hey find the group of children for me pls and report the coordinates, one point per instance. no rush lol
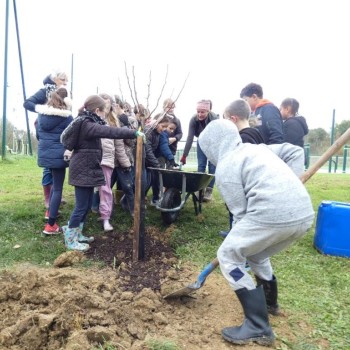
(256, 175)
(103, 154)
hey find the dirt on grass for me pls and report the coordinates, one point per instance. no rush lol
(121, 305)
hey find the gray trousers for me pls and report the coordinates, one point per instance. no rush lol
(252, 243)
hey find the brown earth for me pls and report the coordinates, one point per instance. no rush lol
(74, 307)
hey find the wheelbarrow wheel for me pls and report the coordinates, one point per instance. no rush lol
(171, 199)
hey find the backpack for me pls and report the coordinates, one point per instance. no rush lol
(70, 135)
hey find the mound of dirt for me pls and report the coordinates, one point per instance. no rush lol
(80, 308)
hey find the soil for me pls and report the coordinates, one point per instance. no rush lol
(69, 306)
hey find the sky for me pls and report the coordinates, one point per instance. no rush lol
(292, 48)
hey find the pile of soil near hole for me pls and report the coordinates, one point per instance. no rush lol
(75, 308)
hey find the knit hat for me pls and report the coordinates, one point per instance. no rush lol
(203, 105)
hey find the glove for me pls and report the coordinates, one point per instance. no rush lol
(140, 133)
(172, 163)
(183, 159)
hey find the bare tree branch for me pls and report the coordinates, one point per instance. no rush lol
(183, 86)
(120, 90)
(128, 80)
(149, 89)
(134, 80)
(167, 109)
(161, 92)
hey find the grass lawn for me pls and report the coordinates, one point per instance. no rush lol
(312, 284)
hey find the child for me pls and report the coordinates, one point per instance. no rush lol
(169, 107)
(107, 165)
(85, 171)
(271, 208)
(53, 118)
(165, 153)
(153, 132)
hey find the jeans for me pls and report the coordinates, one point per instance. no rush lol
(58, 176)
(202, 164)
(126, 180)
(47, 177)
(83, 201)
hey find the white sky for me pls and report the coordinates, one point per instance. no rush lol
(293, 48)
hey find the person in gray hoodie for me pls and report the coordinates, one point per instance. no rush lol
(271, 208)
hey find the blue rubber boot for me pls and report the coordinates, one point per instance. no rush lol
(71, 239)
(81, 237)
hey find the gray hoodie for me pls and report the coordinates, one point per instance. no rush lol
(253, 180)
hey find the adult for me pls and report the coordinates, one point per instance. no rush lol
(53, 118)
(267, 116)
(295, 127)
(261, 190)
(51, 82)
(197, 124)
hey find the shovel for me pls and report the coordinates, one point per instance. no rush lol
(186, 291)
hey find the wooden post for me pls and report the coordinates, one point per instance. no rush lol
(138, 250)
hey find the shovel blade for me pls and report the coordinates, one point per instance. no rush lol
(183, 292)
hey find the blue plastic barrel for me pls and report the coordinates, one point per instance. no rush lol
(332, 235)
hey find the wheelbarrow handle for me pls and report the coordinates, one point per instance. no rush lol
(207, 270)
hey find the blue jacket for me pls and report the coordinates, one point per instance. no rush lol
(40, 97)
(163, 148)
(50, 125)
(270, 122)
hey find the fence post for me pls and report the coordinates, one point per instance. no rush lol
(345, 156)
(307, 155)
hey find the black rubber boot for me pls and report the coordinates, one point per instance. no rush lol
(256, 327)
(271, 294)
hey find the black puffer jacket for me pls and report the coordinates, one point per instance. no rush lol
(84, 167)
(151, 147)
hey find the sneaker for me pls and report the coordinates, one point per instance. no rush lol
(51, 230)
(154, 202)
(208, 194)
(107, 226)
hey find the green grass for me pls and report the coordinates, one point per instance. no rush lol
(314, 288)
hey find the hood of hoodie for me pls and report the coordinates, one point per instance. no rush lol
(303, 123)
(218, 138)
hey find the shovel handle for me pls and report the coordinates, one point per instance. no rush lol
(207, 270)
(340, 142)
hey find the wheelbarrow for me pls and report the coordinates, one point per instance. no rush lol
(176, 186)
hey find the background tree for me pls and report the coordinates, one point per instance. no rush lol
(12, 136)
(341, 128)
(319, 141)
